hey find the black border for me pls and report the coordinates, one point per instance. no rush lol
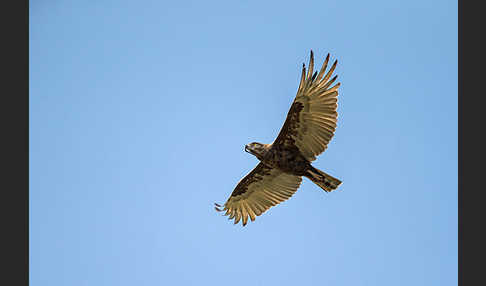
(15, 143)
(470, 144)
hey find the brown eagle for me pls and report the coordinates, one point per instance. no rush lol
(309, 127)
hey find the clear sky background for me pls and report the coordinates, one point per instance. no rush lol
(139, 112)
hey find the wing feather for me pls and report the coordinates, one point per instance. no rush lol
(323, 69)
(311, 120)
(238, 215)
(311, 65)
(258, 191)
(329, 73)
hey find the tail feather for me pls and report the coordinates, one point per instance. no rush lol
(327, 182)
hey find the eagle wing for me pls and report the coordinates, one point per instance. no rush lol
(263, 188)
(311, 120)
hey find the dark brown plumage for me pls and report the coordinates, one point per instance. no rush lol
(308, 128)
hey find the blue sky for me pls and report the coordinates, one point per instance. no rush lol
(139, 112)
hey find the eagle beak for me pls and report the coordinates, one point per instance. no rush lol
(246, 149)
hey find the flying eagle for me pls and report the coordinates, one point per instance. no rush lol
(309, 127)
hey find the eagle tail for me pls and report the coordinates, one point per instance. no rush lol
(326, 182)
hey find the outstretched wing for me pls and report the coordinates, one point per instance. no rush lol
(312, 118)
(261, 189)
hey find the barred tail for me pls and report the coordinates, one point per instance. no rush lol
(326, 182)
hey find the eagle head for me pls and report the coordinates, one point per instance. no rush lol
(257, 149)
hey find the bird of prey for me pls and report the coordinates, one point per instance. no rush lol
(307, 130)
